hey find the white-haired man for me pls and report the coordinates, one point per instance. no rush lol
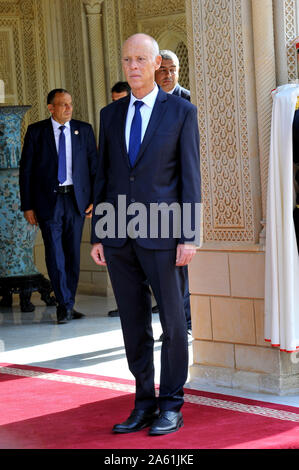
(149, 152)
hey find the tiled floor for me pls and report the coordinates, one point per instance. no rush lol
(92, 345)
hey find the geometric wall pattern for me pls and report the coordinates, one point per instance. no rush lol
(229, 212)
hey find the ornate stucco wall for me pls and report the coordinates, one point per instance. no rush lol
(76, 44)
(233, 53)
(239, 50)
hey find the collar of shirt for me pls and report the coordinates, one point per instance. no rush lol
(56, 125)
(149, 99)
(145, 111)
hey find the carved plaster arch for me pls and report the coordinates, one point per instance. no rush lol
(170, 40)
(173, 41)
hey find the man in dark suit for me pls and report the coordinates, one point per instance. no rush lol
(57, 169)
(167, 77)
(149, 154)
(120, 90)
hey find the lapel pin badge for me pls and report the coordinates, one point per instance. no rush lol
(76, 132)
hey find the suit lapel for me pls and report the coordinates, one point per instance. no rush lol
(177, 90)
(120, 126)
(155, 119)
(49, 134)
(75, 139)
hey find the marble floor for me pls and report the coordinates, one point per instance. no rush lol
(91, 345)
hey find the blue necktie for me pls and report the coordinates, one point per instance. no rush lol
(135, 133)
(61, 157)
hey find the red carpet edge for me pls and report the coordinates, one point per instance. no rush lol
(73, 410)
(265, 409)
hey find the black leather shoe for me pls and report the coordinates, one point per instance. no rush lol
(77, 315)
(138, 419)
(63, 315)
(167, 422)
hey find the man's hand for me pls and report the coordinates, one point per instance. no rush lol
(97, 254)
(184, 254)
(88, 212)
(30, 217)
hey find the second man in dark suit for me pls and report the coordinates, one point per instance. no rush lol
(167, 77)
(57, 171)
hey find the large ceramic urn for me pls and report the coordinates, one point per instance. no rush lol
(18, 273)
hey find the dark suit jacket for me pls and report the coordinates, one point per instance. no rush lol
(182, 92)
(39, 167)
(167, 166)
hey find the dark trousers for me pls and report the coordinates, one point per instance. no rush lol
(62, 237)
(132, 269)
(186, 294)
(183, 272)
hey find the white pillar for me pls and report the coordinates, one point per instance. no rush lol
(264, 61)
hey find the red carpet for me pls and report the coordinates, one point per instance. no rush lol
(53, 409)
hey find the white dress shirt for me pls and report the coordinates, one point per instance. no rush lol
(145, 111)
(68, 148)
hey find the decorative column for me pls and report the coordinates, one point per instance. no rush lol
(264, 61)
(285, 30)
(18, 273)
(52, 12)
(93, 10)
(222, 63)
